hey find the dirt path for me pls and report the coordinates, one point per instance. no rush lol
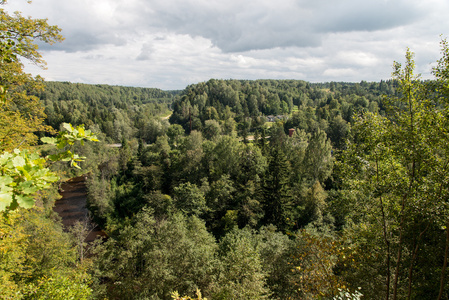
(72, 206)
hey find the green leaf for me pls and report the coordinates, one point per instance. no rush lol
(24, 173)
(25, 201)
(18, 161)
(55, 157)
(50, 177)
(61, 144)
(4, 188)
(49, 140)
(28, 187)
(5, 199)
(5, 158)
(5, 180)
(68, 127)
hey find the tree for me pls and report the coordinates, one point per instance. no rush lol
(211, 129)
(175, 133)
(23, 174)
(220, 200)
(276, 192)
(312, 206)
(37, 259)
(399, 166)
(276, 251)
(151, 258)
(21, 114)
(223, 157)
(441, 72)
(189, 199)
(338, 132)
(314, 260)
(318, 159)
(240, 275)
(189, 164)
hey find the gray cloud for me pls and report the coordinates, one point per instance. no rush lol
(172, 43)
(146, 52)
(350, 15)
(266, 24)
(232, 26)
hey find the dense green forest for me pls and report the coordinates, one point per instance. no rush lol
(119, 112)
(321, 213)
(246, 106)
(236, 105)
(233, 189)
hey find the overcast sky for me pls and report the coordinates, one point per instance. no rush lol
(169, 44)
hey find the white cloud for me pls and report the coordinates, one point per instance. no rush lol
(338, 73)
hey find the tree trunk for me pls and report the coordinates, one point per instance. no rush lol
(415, 253)
(398, 264)
(387, 242)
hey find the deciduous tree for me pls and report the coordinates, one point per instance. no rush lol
(399, 166)
(21, 114)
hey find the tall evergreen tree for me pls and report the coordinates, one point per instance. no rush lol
(276, 192)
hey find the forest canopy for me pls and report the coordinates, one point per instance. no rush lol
(228, 189)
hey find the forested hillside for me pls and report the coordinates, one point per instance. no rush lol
(246, 106)
(275, 97)
(119, 112)
(233, 189)
(336, 207)
(242, 207)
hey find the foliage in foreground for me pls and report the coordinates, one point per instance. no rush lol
(23, 173)
(37, 258)
(397, 167)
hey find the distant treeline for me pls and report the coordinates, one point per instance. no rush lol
(224, 106)
(245, 105)
(119, 112)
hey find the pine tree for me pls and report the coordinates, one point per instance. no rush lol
(276, 193)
